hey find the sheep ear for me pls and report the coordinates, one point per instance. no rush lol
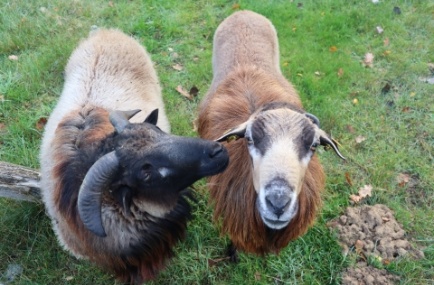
(152, 118)
(313, 118)
(119, 119)
(234, 134)
(326, 141)
(97, 179)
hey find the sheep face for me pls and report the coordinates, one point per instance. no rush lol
(281, 142)
(146, 164)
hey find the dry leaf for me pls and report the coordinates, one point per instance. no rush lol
(110, 3)
(195, 58)
(365, 191)
(178, 67)
(340, 72)
(40, 124)
(386, 42)
(355, 101)
(350, 129)
(183, 92)
(368, 61)
(348, 179)
(385, 219)
(358, 245)
(355, 198)
(406, 109)
(193, 91)
(402, 179)
(257, 276)
(69, 278)
(360, 139)
(2, 127)
(236, 6)
(333, 49)
(317, 73)
(13, 57)
(379, 30)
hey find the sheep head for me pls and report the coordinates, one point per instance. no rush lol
(147, 164)
(281, 141)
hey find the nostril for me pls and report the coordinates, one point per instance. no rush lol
(277, 203)
(215, 150)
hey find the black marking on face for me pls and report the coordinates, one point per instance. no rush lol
(305, 140)
(261, 140)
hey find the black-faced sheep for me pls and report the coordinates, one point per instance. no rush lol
(115, 190)
(270, 192)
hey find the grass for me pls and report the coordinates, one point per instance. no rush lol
(318, 40)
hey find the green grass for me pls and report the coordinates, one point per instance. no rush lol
(398, 125)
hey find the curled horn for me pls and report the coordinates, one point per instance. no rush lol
(326, 141)
(96, 180)
(119, 119)
(314, 119)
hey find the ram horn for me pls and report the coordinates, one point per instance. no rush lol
(98, 178)
(119, 119)
(326, 141)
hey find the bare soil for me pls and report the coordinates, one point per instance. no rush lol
(372, 232)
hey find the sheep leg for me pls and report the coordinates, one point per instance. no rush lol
(232, 253)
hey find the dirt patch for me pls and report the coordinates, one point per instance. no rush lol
(367, 275)
(372, 232)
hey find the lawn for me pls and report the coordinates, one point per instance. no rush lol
(380, 110)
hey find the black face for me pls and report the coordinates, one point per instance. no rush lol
(158, 165)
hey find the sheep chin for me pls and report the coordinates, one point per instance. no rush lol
(270, 220)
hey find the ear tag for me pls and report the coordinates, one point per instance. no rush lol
(232, 138)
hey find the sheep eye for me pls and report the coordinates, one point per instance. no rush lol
(249, 140)
(146, 172)
(314, 146)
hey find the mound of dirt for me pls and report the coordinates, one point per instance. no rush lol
(373, 231)
(367, 275)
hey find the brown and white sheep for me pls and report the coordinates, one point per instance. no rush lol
(270, 192)
(115, 190)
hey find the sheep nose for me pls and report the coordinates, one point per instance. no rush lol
(277, 203)
(216, 149)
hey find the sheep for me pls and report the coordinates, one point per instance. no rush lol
(270, 192)
(117, 191)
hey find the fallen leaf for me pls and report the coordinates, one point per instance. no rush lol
(360, 139)
(69, 278)
(431, 67)
(178, 67)
(386, 261)
(397, 10)
(333, 49)
(348, 179)
(358, 245)
(355, 198)
(212, 262)
(340, 72)
(403, 179)
(386, 42)
(387, 52)
(368, 61)
(412, 94)
(406, 109)
(193, 91)
(13, 57)
(2, 127)
(317, 73)
(110, 3)
(350, 129)
(355, 101)
(183, 92)
(236, 6)
(285, 63)
(385, 219)
(257, 276)
(379, 30)
(40, 124)
(386, 88)
(195, 58)
(365, 191)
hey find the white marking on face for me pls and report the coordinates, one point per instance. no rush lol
(164, 172)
